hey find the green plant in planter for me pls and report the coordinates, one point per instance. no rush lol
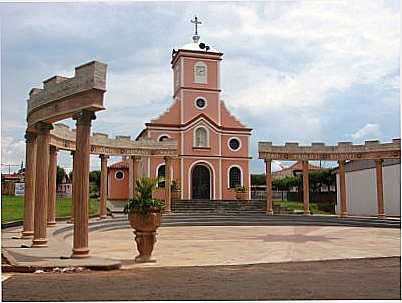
(143, 202)
(241, 189)
(175, 186)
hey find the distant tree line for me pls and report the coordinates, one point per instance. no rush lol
(316, 180)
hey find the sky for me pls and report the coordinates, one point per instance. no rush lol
(302, 71)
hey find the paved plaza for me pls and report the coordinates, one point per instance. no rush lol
(217, 240)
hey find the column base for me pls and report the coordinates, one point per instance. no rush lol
(71, 221)
(102, 217)
(270, 213)
(41, 242)
(381, 216)
(51, 224)
(343, 215)
(80, 253)
(27, 234)
(307, 213)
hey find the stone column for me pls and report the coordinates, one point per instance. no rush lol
(380, 195)
(130, 178)
(168, 194)
(342, 189)
(72, 189)
(306, 188)
(81, 184)
(103, 187)
(41, 185)
(268, 176)
(29, 193)
(51, 201)
(135, 162)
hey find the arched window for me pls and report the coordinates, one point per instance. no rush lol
(200, 73)
(161, 175)
(234, 177)
(201, 137)
(163, 138)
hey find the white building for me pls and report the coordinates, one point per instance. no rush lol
(361, 195)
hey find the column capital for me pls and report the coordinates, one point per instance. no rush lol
(30, 137)
(135, 158)
(104, 157)
(267, 161)
(379, 161)
(43, 128)
(84, 117)
(341, 162)
(53, 149)
(167, 158)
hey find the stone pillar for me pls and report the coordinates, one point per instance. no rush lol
(81, 184)
(103, 187)
(380, 195)
(51, 201)
(168, 193)
(72, 189)
(342, 189)
(135, 162)
(29, 194)
(41, 185)
(306, 188)
(268, 176)
(130, 178)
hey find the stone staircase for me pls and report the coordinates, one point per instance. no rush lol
(223, 206)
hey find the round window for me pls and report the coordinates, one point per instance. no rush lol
(200, 103)
(119, 175)
(234, 144)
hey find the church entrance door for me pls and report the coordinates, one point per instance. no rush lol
(201, 182)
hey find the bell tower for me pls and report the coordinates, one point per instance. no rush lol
(196, 77)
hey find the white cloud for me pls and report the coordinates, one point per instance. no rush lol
(12, 151)
(369, 131)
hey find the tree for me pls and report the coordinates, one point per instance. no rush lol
(94, 178)
(258, 179)
(60, 175)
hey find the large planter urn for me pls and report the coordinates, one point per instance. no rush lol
(242, 196)
(145, 226)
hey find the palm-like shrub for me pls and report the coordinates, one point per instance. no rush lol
(143, 202)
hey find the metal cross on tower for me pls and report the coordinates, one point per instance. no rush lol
(196, 22)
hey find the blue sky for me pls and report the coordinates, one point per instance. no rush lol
(317, 71)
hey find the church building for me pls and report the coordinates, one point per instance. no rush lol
(213, 145)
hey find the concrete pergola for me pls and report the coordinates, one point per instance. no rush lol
(343, 151)
(78, 98)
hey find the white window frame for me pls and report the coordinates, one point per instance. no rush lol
(203, 98)
(116, 174)
(241, 174)
(228, 143)
(198, 79)
(195, 136)
(164, 135)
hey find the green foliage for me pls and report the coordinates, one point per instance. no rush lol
(143, 201)
(241, 189)
(319, 178)
(258, 179)
(60, 175)
(175, 186)
(94, 177)
(12, 208)
(286, 183)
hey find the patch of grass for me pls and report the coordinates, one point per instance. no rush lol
(12, 208)
(294, 205)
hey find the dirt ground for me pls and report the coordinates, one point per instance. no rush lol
(340, 279)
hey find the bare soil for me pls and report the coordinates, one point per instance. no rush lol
(377, 278)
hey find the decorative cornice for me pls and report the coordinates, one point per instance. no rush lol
(371, 150)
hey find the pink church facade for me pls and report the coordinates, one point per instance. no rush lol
(213, 145)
